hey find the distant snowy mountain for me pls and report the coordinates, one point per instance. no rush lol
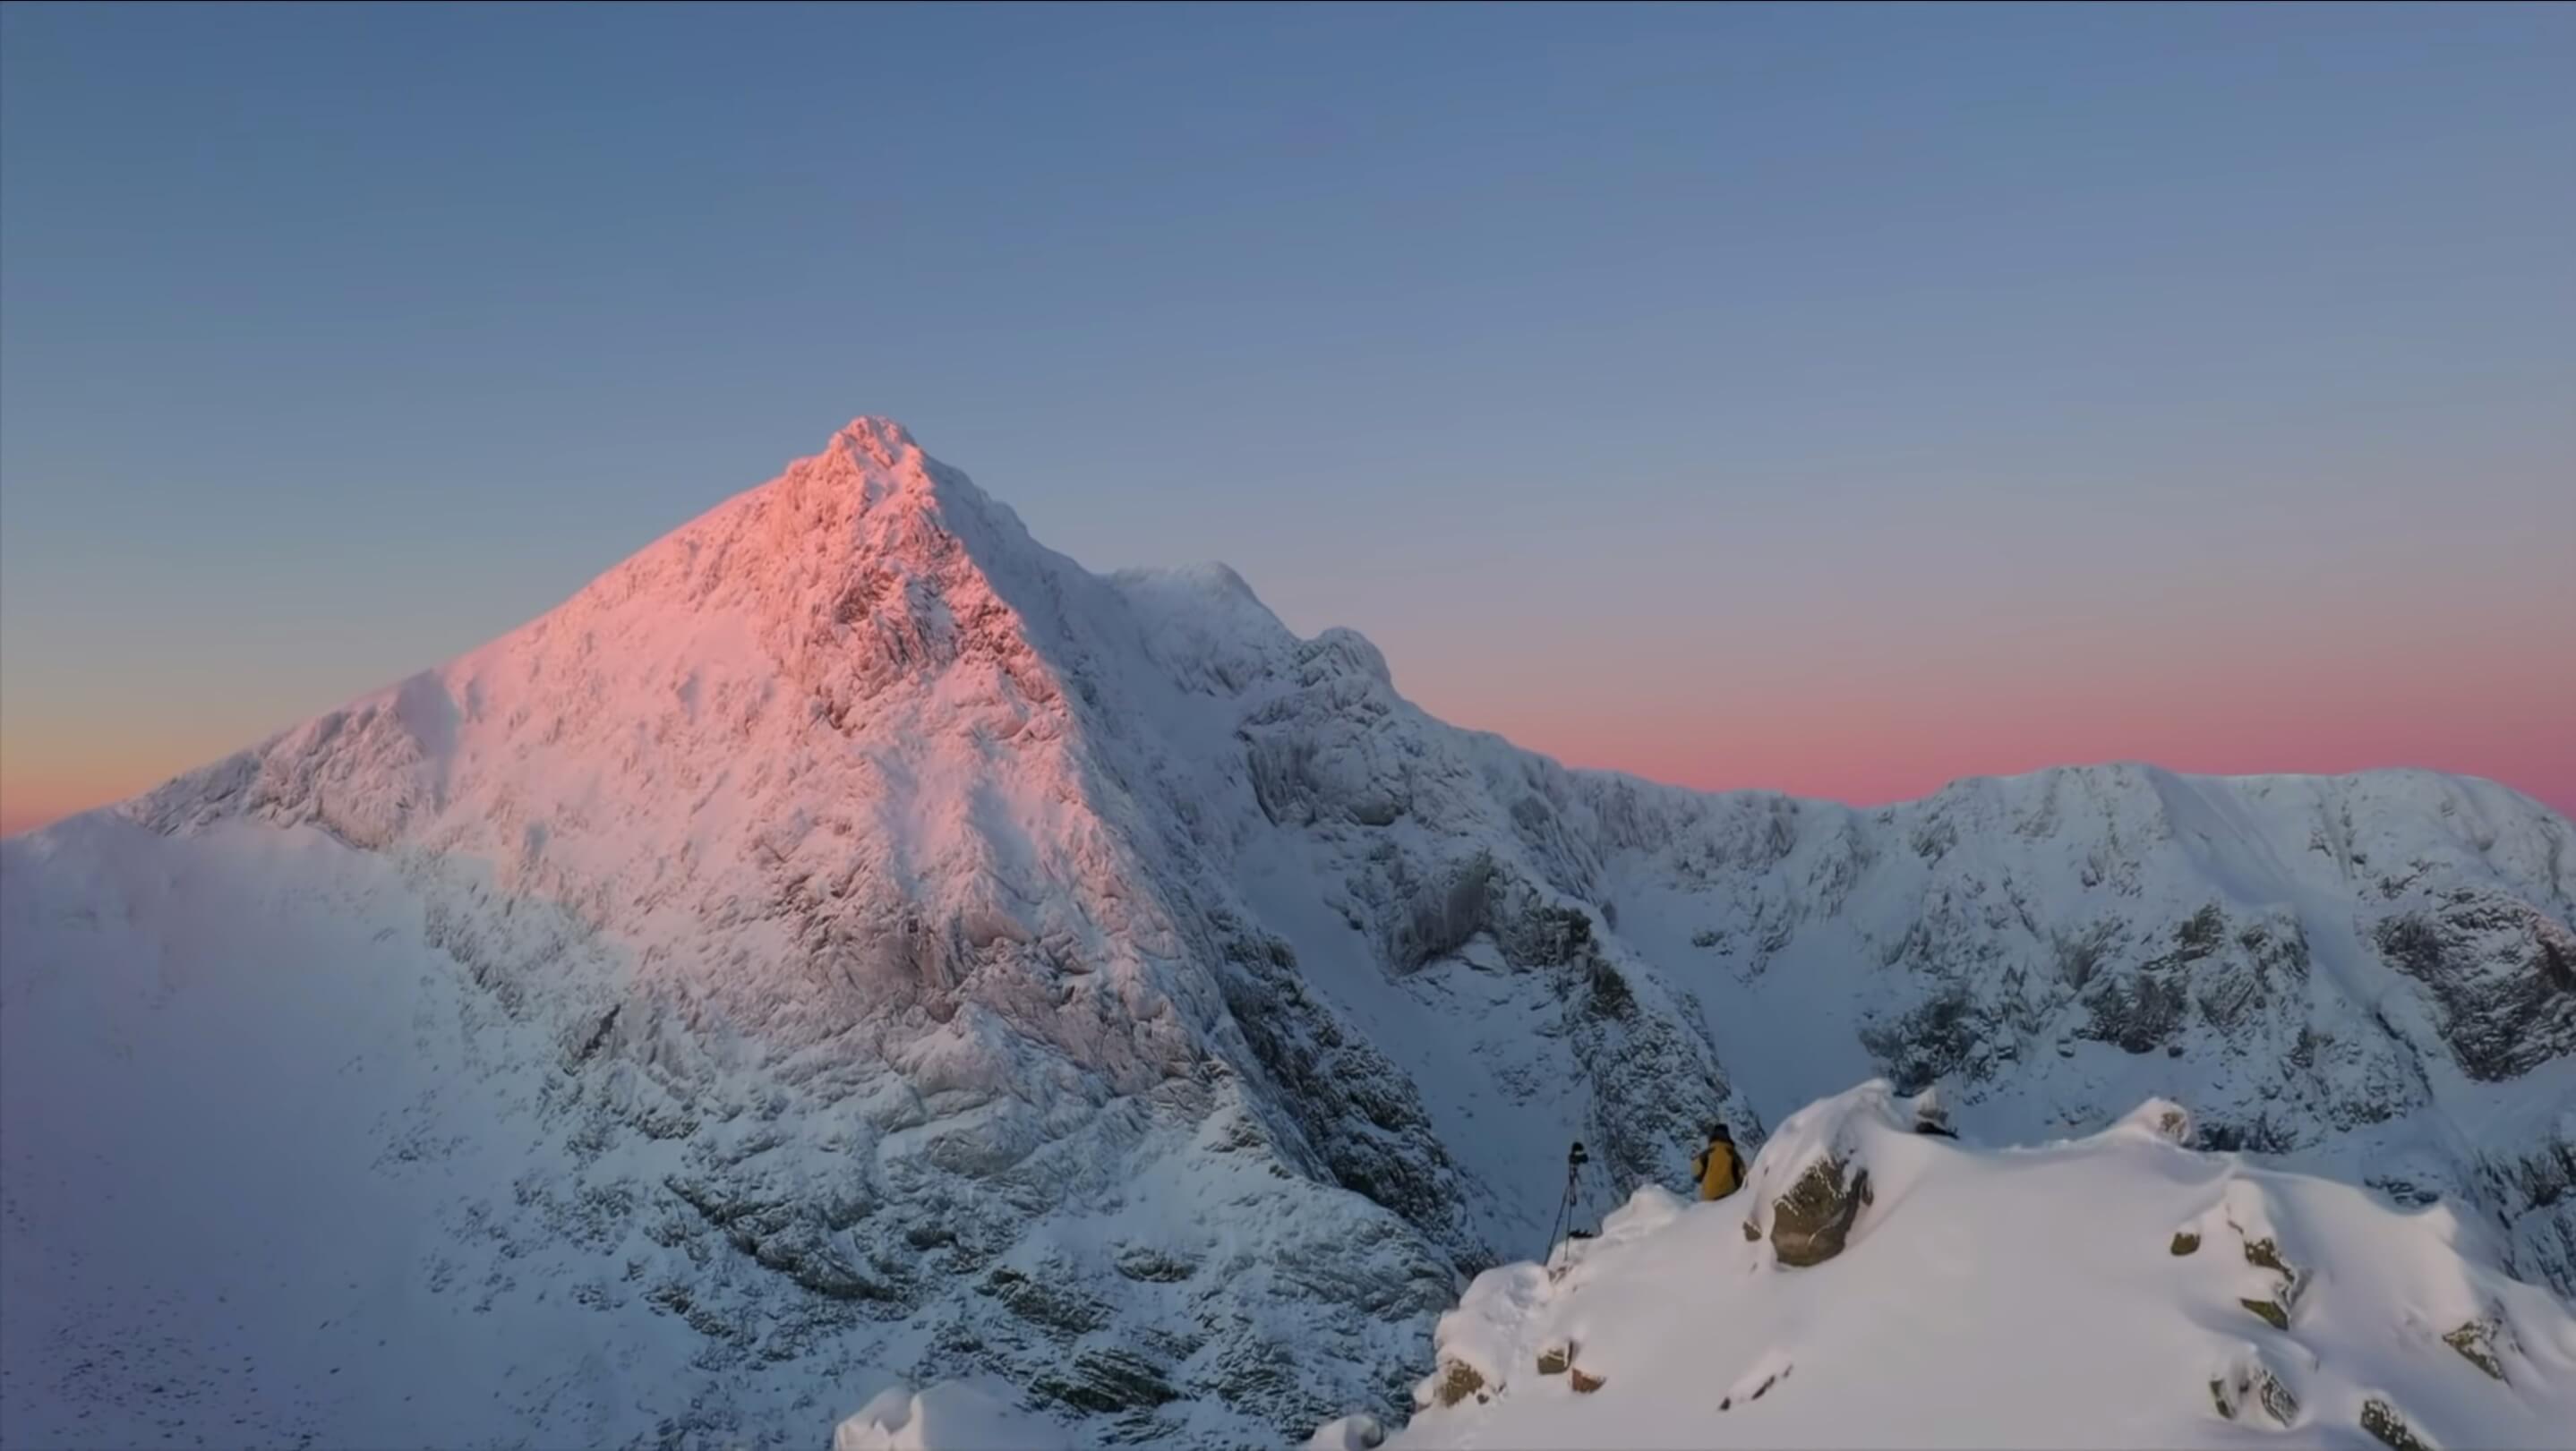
(849, 943)
(2117, 1290)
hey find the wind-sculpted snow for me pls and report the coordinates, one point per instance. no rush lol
(849, 943)
(2112, 1290)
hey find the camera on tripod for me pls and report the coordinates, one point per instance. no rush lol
(1575, 1159)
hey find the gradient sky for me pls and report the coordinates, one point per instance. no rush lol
(1839, 400)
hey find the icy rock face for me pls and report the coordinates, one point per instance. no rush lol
(2324, 968)
(858, 937)
(2502, 976)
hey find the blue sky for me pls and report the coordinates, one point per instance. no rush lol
(1832, 398)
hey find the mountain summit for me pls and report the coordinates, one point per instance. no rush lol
(849, 942)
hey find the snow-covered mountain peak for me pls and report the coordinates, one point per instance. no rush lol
(879, 439)
(871, 495)
(849, 938)
(881, 464)
(817, 716)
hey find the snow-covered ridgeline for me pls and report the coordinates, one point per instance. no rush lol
(878, 945)
(2113, 1290)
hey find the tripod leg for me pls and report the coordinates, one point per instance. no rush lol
(1564, 1213)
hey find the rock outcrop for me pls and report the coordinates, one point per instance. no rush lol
(848, 933)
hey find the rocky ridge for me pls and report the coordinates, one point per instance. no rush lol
(893, 947)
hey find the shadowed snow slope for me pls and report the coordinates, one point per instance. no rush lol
(2116, 1290)
(849, 943)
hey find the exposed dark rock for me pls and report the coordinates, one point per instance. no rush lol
(1156, 1266)
(1610, 996)
(1727, 1403)
(2499, 974)
(2265, 1253)
(2136, 1013)
(1810, 1223)
(789, 1236)
(2261, 1136)
(1047, 1301)
(1107, 1381)
(1458, 1381)
(1932, 1039)
(1354, 1109)
(1546, 935)
(2199, 935)
(2477, 1342)
(2251, 1384)
(2388, 1427)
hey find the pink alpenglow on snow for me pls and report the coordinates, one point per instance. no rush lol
(850, 940)
(1849, 696)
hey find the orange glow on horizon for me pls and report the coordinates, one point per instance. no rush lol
(27, 805)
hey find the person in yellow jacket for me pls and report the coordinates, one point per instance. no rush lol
(1719, 1168)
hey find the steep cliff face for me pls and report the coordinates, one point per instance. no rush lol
(2366, 973)
(849, 939)
(2321, 968)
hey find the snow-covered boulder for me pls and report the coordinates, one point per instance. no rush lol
(1349, 1433)
(848, 933)
(2115, 1290)
(950, 1416)
(1812, 1181)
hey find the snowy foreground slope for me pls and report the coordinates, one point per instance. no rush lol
(2115, 1290)
(850, 946)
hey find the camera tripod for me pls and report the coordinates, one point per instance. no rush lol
(1575, 1159)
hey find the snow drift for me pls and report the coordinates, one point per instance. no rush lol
(849, 943)
(951, 1416)
(2116, 1290)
